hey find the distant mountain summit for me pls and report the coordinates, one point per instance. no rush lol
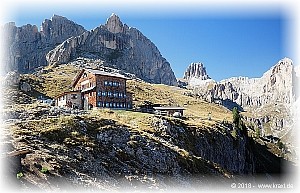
(121, 47)
(62, 41)
(114, 24)
(196, 70)
(25, 47)
(277, 85)
(195, 75)
(268, 100)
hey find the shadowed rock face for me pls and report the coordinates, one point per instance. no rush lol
(25, 47)
(61, 41)
(120, 47)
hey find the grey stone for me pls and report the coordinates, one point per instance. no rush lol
(121, 47)
(25, 87)
(25, 47)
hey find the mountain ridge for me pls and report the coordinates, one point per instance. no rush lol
(61, 41)
(25, 47)
(266, 101)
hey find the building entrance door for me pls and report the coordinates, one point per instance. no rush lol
(86, 103)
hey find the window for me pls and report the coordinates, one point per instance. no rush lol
(115, 94)
(105, 83)
(74, 96)
(114, 104)
(110, 104)
(99, 104)
(110, 83)
(109, 93)
(106, 104)
(118, 105)
(115, 84)
(103, 93)
(99, 93)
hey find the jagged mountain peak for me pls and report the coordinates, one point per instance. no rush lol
(57, 17)
(282, 66)
(114, 24)
(196, 70)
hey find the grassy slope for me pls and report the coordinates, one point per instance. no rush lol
(66, 129)
(196, 110)
(58, 80)
(55, 81)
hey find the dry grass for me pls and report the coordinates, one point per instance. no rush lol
(134, 120)
(59, 79)
(197, 111)
(56, 81)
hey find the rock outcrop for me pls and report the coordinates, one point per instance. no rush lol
(195, 75)
(25, 48)
(120, 47)
(12, 78)
(277, 85)
(196, 70)
(61, 41)
(103, 154)
(267, 99)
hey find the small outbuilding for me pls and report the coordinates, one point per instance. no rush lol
(70, 99)
(169, 111)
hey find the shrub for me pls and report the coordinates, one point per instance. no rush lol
(44, 170)
(20, 175)
(236, 116)
(257, 132)
(234, 133)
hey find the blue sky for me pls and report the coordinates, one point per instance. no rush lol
(228, 44)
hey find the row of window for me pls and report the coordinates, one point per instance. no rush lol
(111, 83)
(113, 105)
(114, 94)
(106, 83)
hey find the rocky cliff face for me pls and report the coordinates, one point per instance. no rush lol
(268, 99)
(25, 47)
(196, 70)
(277, 85)
(195, 75)
(95, 152)
(120, 47)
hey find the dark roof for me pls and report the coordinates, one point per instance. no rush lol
(99, 72)
(88, 89)
(169, 108)
(106, 73)
(69, 92)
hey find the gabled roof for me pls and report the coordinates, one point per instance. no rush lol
(98, 72)
(88, 89)
(169, 108)
(65, 93)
